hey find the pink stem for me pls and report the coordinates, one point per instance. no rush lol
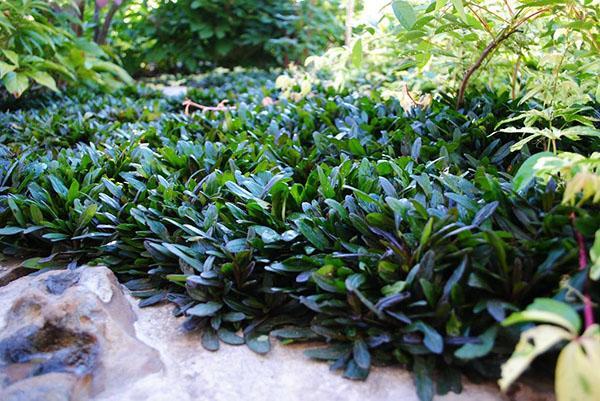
(588, 310)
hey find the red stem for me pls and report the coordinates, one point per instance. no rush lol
(588, 310)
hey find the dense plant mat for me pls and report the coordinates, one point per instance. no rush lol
(395, 236)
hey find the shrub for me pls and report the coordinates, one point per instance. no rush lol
(37, 47)
(188, 35)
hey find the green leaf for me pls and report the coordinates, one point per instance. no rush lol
(527, 172)
(210, 340)
(229, 337)
(460, 9)
(268, 235)
(330, 353)
(258, 343)
(355, 372)
(206, 309)
(533, 342)
(36, 214)
(485, 213)
(313, 235)
(16, 83)
(431, 338)
(11, 230)
(11, 56)
(361, 354)
(577, 374)
(357, 54)
(87, 215)
(423, 378)
(294, 333)
(5, 68)
(472, 351)
(236, 245)
(546, 310)
(405, 13)
(44, 79)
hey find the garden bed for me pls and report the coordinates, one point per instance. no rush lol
(395, 234)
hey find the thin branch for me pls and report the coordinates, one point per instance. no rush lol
(491, 12)
(486, 52)
(506, 33)
(483, 23)
(220, 107)
(515, 77)
(510, 11)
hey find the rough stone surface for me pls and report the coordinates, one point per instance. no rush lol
(11, 270)
(174, 91)
(69, 335)
(235, 373)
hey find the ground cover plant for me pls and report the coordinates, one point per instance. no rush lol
(396, 236)
(403, 203)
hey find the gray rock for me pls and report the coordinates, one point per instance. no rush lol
(73, 335)
(174, 91)
(11, 270)
(61, 341)
(235, 373)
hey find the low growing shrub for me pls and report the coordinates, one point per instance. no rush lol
(397, 237)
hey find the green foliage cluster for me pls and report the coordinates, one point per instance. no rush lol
(38, 47)
(396, 236)
(189, 35)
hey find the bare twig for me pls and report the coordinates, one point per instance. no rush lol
(489, 49)
(220, 107)
(510, 11)
(483, 23)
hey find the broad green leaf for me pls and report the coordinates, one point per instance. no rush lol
(472, 351)
(258, 343)
(229, 337)
(361, 355)
(209, 339)
(528, 171)
(423, 378)
(533, 342)
(431, 338)
(314, 235)
(568, 320)
(11, 230)
(460, 9)
(205, 309)
(87, 215)
(44, 79)
(16, 83)
(405, 13)
(5, 68)
(577, 376)
(11, 56)
(357, 54)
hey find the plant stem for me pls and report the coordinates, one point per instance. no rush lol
(486, 52)
(505, 34)
(588, 310)
(515, 78)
